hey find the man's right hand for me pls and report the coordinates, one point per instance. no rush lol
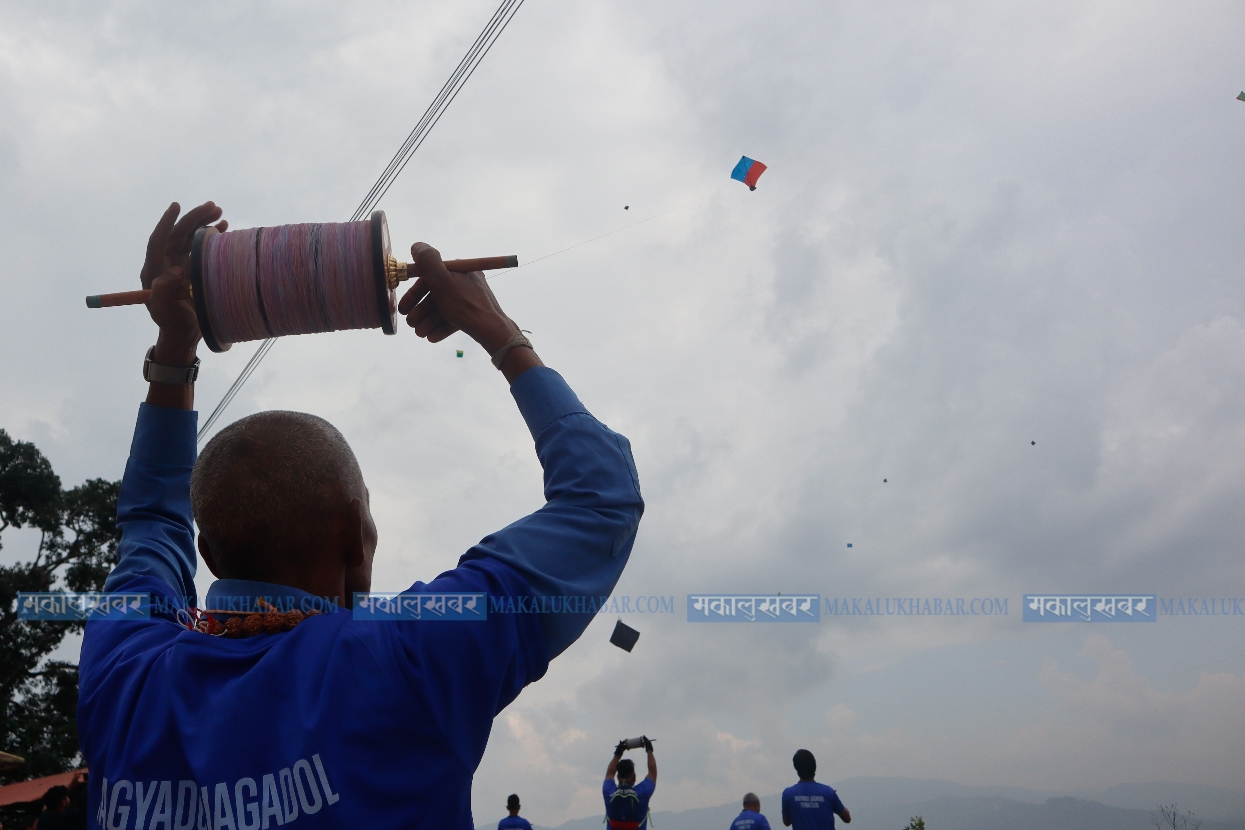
(442, 302)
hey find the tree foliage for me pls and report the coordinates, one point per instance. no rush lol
(77, 548)
(915, 823)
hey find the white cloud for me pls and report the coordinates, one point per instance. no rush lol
(1146, 733)
(981, 227)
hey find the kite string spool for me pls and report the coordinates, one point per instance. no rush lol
(291, 279)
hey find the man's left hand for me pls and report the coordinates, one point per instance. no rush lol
(166, 272)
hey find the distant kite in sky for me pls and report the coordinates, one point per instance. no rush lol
(748, 171)
(1241, 97)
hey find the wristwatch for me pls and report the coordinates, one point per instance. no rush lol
(155, 373)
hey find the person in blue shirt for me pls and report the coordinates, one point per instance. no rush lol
(751, 818)
(513, 821)
(809, 805)
(318, 720)
(626, 802)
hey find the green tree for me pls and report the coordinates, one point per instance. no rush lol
(77, 547)
(915, 823)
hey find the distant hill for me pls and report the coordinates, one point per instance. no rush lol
(1214, 803)
(960, 813)
(1218, 803)
(888, 803)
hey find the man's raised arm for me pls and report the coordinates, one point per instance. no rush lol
(153, 508)
(574, 548)
(612, 768)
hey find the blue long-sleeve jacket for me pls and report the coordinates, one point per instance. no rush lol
(337, 723)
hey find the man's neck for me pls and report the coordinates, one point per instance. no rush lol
(229, 591)
(807, 781)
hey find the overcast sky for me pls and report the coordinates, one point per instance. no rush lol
(983, 225)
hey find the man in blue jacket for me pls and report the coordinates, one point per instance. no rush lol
(327, 721)
(808, 805)
(751, 817)
(514, 821)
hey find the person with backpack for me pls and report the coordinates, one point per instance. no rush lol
(626, 803)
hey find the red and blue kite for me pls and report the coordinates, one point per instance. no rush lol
(748, 171)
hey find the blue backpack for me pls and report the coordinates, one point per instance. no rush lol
(623, 809)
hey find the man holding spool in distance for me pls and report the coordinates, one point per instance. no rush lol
(626, 802)
(323, 721)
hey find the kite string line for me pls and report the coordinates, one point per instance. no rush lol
(602, 236)
(475, 66)
(237, 384)
(423, 126)
(267, 345)
(449, 91)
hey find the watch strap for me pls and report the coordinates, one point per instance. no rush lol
(155, 373)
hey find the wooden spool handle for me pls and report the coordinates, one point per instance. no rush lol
(120, 298)
(396, 272)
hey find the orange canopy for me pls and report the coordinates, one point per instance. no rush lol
(34, 789)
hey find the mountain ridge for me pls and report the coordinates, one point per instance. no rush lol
(886, 803)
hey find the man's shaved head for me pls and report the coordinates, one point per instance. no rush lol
(266, 487)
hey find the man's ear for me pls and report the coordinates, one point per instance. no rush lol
(205, 551)
(355, 542)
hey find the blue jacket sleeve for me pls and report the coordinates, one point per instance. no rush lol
(579, 542)
(153, 509)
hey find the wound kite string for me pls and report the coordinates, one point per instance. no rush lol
(260, 283)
